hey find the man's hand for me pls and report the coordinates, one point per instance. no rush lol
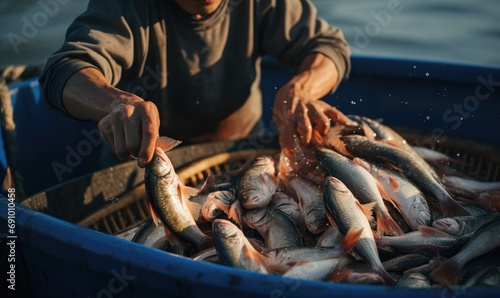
(298, 109)
(127, 123)
(131, 128)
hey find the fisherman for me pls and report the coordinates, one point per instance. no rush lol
(190, 70)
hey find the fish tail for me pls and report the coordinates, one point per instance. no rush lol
(350, 239)
(450, 207)
(259, 259)
(386, 225)
(446, 272)
(388, 279)
(339, 275)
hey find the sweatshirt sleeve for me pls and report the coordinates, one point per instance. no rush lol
(290, 30)
(102, 37)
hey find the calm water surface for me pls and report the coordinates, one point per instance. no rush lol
(461, 31)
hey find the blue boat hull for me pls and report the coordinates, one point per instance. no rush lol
(60, 259)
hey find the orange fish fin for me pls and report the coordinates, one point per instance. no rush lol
(166, 143)
(446, 272)
(387, 225)
(395, 144)
(369, 133)
(384, 194)
(431, 232)
(185, 193)
(234, 214)
(339, 275)
(154, 216)
(394, 183)
(368, 210)
(350, 239)
(254, 256)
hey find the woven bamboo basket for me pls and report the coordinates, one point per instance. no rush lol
(131, 209)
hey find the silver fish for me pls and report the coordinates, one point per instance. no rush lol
(311, 204)
(412, 168)
(168, 199)
(258, 183)
(277, 229)
(234, 249)
(408, 199)
(349, 214)
(362, 185)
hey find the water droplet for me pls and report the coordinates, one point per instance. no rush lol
(458, 154)
(426, 74)
(353, 102)
(197, 102)
(414, 66)
(428, 117)
(114, 200)
(285, 101)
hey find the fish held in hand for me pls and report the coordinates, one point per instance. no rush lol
(168, 199)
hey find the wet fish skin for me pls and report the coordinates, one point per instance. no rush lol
(152, 236)
(234, 249)
(277, 229)
(362, 185)
(413, 280)
(286, 204)
(311, 204)
(349, 214)
(404, 262)
(415, 171)
(463, 225)
(258, 183)
(217, 203)
(422, 239)
(315, 270)
(169, 201)
(290, 256)
(483, 241)
(330, 238)
(408, 199)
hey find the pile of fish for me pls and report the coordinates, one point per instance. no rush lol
(356, 205)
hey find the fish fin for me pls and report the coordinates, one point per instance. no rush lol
(394, 183)
(446, 272)
(395, 144)
(185, 193)
(368, 131)
(387, 225)
(256, 257)
(317, 139)
(384, 193)
(166, 143)
(431, 232)
(339, 275)
(450, 207)
(368, 210)
(350, 239)
(234, 214)
(208, 184)
(388, 279)
(154, 216)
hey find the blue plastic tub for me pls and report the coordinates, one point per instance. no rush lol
(56, 258)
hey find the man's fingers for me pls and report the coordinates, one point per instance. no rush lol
(336, 115)
(304, 126)
(149, 130)
(320, 121)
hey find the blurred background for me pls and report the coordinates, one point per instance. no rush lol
(460, 31)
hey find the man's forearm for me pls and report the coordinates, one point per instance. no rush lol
(88, 96)
(318, 75)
